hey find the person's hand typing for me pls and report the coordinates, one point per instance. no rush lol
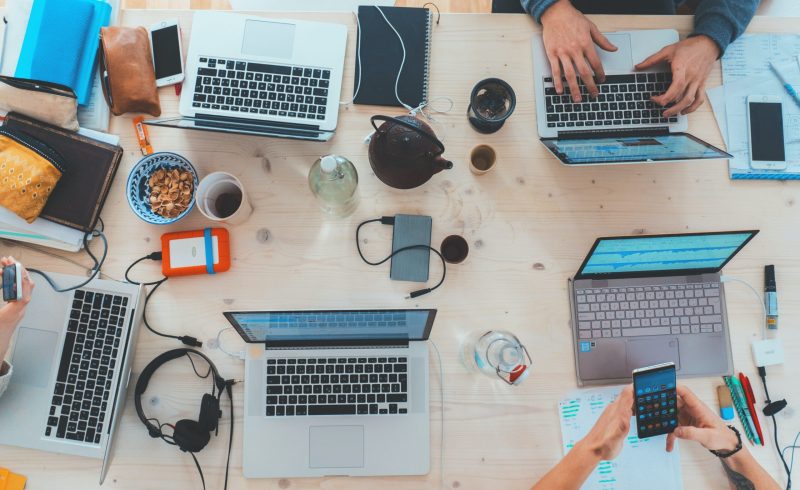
(690, 61)
(697, 422)
(569, 39)
(609, 432)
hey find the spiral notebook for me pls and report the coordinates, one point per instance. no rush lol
(382, 53)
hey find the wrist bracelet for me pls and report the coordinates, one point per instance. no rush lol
(727, 454)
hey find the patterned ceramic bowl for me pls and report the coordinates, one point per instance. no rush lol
(138, 191)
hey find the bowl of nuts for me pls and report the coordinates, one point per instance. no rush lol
(161, 188)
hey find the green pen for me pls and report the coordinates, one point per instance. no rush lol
(741, 402)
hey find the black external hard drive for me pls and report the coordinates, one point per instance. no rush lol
(411, 265)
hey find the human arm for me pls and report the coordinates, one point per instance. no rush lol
(716, 24)
(603, 442)
(10, 315)
(569, 41)
(698, 423)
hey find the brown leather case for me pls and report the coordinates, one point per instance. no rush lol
(129, 81)
(89, 169)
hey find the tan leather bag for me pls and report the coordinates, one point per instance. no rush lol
(129, 81)
(29, 171)
(52, 103)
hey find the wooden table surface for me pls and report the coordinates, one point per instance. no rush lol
(529, 224)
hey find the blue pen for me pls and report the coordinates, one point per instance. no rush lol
(786, 84)
(741, 400)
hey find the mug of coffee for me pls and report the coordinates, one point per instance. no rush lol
(482, 159)
(221, 197)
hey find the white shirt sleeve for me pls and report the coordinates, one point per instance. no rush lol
(5, 376)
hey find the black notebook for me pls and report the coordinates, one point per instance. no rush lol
(382, 53)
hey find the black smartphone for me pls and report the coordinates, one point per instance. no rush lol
(656, 399)
(12, 282)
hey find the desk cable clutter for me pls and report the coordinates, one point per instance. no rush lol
(185, 253)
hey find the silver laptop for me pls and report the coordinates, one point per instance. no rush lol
(72, 363)
(643, 300)
(335, 392)
(622, 125)
(252, 75)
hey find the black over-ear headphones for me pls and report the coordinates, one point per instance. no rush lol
(189, 435)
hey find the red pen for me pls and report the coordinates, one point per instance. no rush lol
(751, 400)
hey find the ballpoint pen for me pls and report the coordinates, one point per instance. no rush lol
(751, 401)
(740, 399)
(786, 85)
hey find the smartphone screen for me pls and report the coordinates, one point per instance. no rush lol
(656, 400)
(9, 283)
(166, 52)
(766, 132)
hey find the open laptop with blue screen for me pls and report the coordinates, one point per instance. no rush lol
(335, 392)
(643, 300)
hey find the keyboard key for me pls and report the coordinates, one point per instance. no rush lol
(332, 410)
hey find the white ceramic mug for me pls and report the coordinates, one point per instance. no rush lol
(217, 184)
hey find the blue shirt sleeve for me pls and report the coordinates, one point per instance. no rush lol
(723, 20)
(536, 7)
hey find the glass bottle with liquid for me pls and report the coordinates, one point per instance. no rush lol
(334, 182)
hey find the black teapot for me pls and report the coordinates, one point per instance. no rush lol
(404, 152)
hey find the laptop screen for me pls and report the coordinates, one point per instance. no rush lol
(674, 254)
(628, 149)
(334, 326)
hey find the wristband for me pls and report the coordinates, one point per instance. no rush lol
(727, 454)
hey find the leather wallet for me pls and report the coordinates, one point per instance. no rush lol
(129, 80)
(29, 172)
(52, 103)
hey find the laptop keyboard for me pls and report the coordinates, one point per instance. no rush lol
(623, 100)
(88, 363)
(649, 310)
(260, 88)
(337, 386)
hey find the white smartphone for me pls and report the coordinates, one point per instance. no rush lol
(765, 121)
(165, 45)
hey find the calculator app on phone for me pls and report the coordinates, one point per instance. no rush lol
(656, 400)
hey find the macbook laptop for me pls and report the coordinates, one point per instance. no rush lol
(72, 362)
(335, 392)
(253, 75)
(621, 125)
(643, 300)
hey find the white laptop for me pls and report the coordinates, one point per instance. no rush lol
(335, 392)
(622, 125)
(253, 75)
(72, 362)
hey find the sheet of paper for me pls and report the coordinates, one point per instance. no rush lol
(641, 462)
(736, 94)
(751, 54)
(41, 231)
(17, 13)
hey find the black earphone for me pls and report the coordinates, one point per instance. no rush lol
(189, 435)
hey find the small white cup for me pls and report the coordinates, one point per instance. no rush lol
(217, 184)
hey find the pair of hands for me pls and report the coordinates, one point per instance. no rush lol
(12, 312)
(569, 39)
(696, 422)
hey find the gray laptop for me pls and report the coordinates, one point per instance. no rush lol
(643, 300)
(335, 392)
(72, 363)
(621, 125)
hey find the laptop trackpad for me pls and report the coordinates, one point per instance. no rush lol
(619, 61)
(34, 353)
(336, 446)
(646, 352)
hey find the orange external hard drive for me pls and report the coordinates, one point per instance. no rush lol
(187, 253)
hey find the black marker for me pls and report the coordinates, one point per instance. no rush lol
(771, 297)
